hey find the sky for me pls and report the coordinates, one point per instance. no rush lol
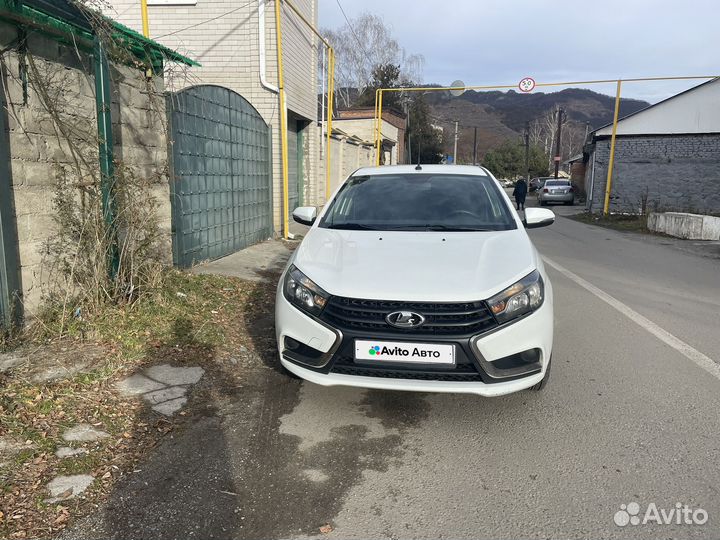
(489, 42)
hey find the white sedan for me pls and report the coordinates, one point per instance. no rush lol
(556, 191)
(418, 278)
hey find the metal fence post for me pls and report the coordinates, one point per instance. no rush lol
(10, 280)
(103, 102)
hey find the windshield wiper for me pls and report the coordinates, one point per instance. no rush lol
(445, 228)
(351, 227)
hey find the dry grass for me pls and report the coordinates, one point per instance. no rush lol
(190, 319)
(618, 222)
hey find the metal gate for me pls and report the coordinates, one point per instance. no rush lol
(221, 191)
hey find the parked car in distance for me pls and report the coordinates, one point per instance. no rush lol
(418, 278)
(504, 182)
(535, 183)
(560, 191)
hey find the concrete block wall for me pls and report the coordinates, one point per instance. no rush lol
(228, 49)
(140, 138)
(684, 225)
(346, 158)
(361, 122)
(364, 128)
(41, 136)
(675, 173)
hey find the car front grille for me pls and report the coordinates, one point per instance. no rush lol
(447, 319)
(459, 373)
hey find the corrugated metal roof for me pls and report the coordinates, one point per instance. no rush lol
(64, 20)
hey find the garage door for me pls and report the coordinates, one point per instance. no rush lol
(221, 192)
(295, 160)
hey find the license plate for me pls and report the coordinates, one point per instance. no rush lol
(397, 351)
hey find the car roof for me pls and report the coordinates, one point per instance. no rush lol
(424, 169)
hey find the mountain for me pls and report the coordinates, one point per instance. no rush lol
(581, 105)
(502, 115)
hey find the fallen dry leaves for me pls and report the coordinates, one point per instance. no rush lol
(37, 414)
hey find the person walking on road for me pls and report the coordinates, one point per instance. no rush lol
(520, 192)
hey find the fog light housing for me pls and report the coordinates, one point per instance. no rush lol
(520, 364)
(303, 354)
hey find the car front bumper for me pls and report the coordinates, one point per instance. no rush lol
(532, 332)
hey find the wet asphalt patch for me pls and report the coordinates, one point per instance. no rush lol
(270, 460)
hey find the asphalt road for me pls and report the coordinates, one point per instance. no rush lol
(630, 415)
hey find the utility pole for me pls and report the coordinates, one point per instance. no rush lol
(455, 148)
(475, 147)
(406, 108)
(527, 152)
(557, 143)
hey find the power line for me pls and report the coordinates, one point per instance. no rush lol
(206, 21)
(357, 38)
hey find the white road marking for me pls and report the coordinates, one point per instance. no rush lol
(688, 351)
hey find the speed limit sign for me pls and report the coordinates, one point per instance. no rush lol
(527, 84)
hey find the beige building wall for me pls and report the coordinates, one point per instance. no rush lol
(223, 36)
(346, 157)
(364, 128)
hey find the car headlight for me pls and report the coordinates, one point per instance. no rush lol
(302, 292)
(519, 298)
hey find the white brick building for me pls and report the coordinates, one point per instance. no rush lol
(226, 38)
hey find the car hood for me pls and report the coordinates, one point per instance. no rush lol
(415, 266)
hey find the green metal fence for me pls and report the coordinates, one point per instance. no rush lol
(221, 190)
(10, 289)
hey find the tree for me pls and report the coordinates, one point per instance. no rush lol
(537, 162)
(543, 134)
(383, 76)
(423, 140)
(420, 133)
(508, 160)
(360, 47)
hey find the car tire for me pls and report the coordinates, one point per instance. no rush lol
(570, 203)
(543, 203)
(539, 386)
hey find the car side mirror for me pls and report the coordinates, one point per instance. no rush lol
(538, 217)
(305, 215)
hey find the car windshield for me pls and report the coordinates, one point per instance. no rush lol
(416, 201)
(557, 183)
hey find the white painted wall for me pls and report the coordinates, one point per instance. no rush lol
(365, 129)
(695, 111)
(346, 159)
